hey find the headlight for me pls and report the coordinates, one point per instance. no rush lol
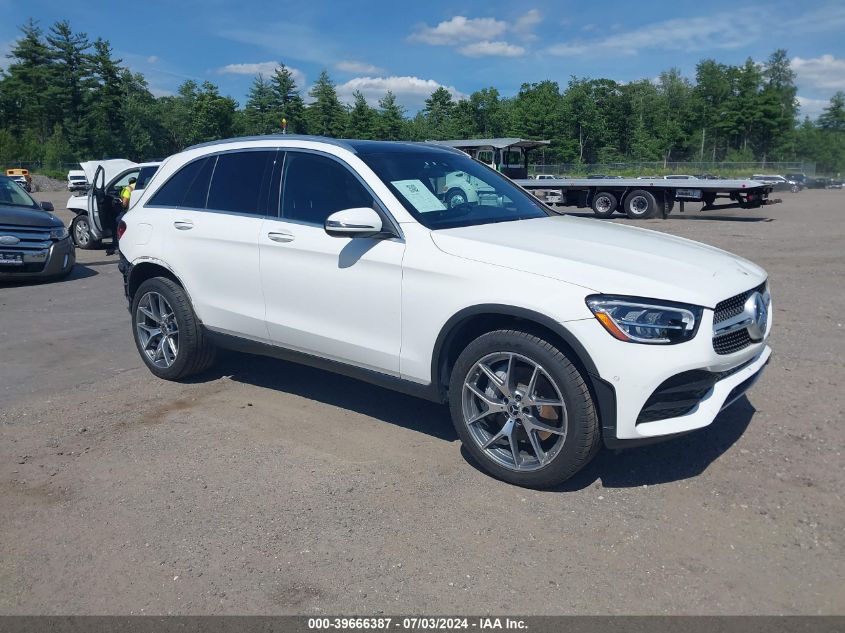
(644, 321)
(58, 234)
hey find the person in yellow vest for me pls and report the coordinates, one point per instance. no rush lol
(125, 197)
(126, 193)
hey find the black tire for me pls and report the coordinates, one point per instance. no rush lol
(795, 188)
(641, 205)
(604, 204)
(456, 197)
(79, 229)
(195, 352)
(581, 440)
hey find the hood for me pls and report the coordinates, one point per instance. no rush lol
(607, 258)
(112, 168)
(27, 216)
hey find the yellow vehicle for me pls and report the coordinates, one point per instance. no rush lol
(20, 176)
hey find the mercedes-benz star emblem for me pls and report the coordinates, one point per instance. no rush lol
(756, 308)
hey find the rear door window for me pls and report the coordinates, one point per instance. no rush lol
(241, 182)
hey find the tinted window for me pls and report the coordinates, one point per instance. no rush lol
(197, 191)
(173, 191)
(143, 177)
(241, 181)
(315, 187)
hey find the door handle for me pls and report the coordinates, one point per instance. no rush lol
(281, 237)
(183, 225)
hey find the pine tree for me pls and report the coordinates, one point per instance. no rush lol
(260, 115)
(287, 102)
(326, 116)
(439, 110)
(833, 116)
(69, 72)
(104, 113)
(26, 83)
(361, 118)
(57, 150)
(391, 118)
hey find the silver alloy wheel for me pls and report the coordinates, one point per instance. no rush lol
(638, 205)
(514, 411)
(603, 204)
(457, 199)
(158, 332)
(81, 231)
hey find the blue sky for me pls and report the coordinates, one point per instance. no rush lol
(412, 47)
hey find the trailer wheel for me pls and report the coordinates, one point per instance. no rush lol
(604, 204)
(641, 204)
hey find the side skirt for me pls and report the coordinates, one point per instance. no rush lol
(248, 346)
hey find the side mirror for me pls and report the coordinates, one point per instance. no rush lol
(358, 222)
(48, 206)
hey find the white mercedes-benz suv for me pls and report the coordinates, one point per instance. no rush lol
(545, 334)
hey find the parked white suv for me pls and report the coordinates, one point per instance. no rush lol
(546, 334)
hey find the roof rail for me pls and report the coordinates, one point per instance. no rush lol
(274, 137)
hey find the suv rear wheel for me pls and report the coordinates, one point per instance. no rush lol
(167, 333)
(522, 409)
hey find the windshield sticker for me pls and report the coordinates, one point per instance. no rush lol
(418, 195)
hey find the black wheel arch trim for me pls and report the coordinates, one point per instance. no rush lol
(603, 393)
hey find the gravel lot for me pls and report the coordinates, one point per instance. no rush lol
(265, 487)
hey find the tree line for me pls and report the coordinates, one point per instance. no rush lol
(64, 98)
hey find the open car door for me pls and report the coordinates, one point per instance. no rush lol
(96, 202)
(100, 174)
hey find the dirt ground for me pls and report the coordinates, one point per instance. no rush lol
(265, 487)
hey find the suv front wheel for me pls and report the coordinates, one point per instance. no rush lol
(522, 409)
(167, 333)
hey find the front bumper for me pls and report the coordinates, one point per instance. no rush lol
(630, 378)
(54, 261)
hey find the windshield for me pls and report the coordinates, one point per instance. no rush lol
(12, 194)
(446, 190)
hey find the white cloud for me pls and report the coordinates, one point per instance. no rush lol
(687, 34)
(160, 92)
(152, 59)
(820, 73)
(287, 40)
(411, 92)
(737, 28)
(459, 29)
(485, 48)
(524, 25)
(350, 66)
(265, 68)
(811, 107)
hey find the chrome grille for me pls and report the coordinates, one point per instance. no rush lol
(733, 306)
(733, 342)
(32, 238)
(737, 339)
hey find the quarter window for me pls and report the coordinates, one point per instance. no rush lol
(196, 192)
(172, 193)
(315, 187)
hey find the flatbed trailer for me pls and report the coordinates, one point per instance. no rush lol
(648, 198)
